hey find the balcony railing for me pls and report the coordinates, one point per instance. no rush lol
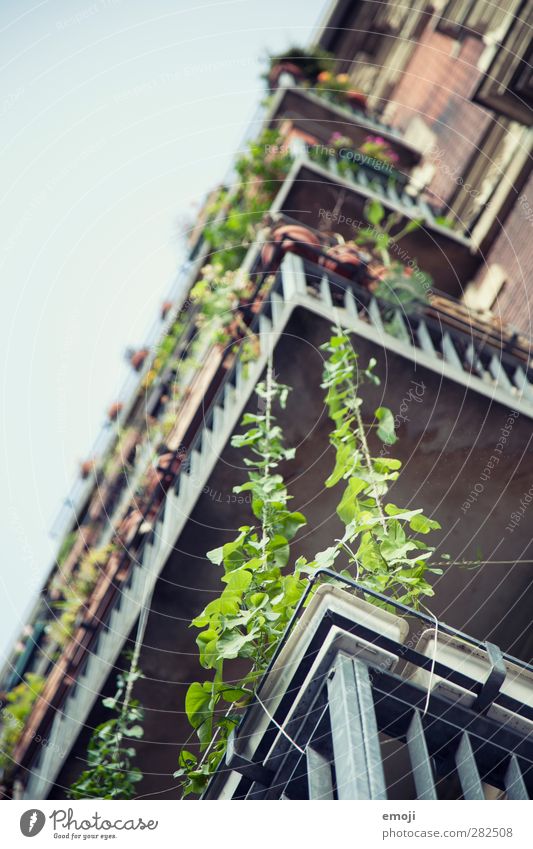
(477, 355)
(385, 189)
(358, 703)
(320, 114)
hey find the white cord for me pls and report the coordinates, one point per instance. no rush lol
(280, 727)
(433, 660)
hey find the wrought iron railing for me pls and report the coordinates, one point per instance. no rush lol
(354, 706)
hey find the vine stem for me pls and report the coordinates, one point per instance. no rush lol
(362, 435)
(268, 423)
(134, 665)
(264, 513)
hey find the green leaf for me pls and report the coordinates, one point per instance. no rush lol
(216, 555)
(412, 225)
(370, 555)
(197, 702)
(230, 646)
(374, 212)
(343, 464)
(244, 487)
(386, 464)
(235, 694)
(279, 548)
(291, 524)
(238, 581)
(326, 559)
(422, 525)
(348, 507)
(385, 429)
(134, 731)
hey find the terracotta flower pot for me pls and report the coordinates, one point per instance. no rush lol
(345, 260)
(137, 358)
(290, 237)
(284, 68)
(86, 467)
(166, 306)
(357, 99)
(115, 410)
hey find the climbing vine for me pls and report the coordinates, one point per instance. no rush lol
(380, 540)
(380, 547)
(74, 594)
(259, 596)
(14, 714)
(109, 773)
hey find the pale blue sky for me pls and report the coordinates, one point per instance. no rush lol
(116, 117)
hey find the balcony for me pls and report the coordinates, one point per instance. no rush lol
(322, 198)
(302, 291)
(315, 114)
(360, 703)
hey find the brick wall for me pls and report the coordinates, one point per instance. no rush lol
(513, 250)
(435, 87)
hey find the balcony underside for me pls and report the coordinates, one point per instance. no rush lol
(445, 442)
(324, 201)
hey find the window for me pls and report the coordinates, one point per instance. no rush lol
(507, 84)
(475, 17)
(481, 296)
(501, 144)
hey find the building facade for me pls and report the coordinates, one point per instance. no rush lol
(419, 122)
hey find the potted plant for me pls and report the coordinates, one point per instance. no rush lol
(289, 237)
(137, 358)
(86, 468)
(356, 99)
(337, 88)
(377, 156)
(166, 306)
(302, 63)
(399, 285)
(114, 411)
(348, 261)
(378, 148)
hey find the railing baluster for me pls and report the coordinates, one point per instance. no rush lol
(468, 771)
(293, 276)
(375, 314)
(325, 292)
(515, 787)
(449, 352)
(276, 303)
(425, 340)
(420, 760)
(522, 383)
(474, 361)
(319, 775)
(499, 374)
(400, 328)
(356, 749)
(349, 302)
